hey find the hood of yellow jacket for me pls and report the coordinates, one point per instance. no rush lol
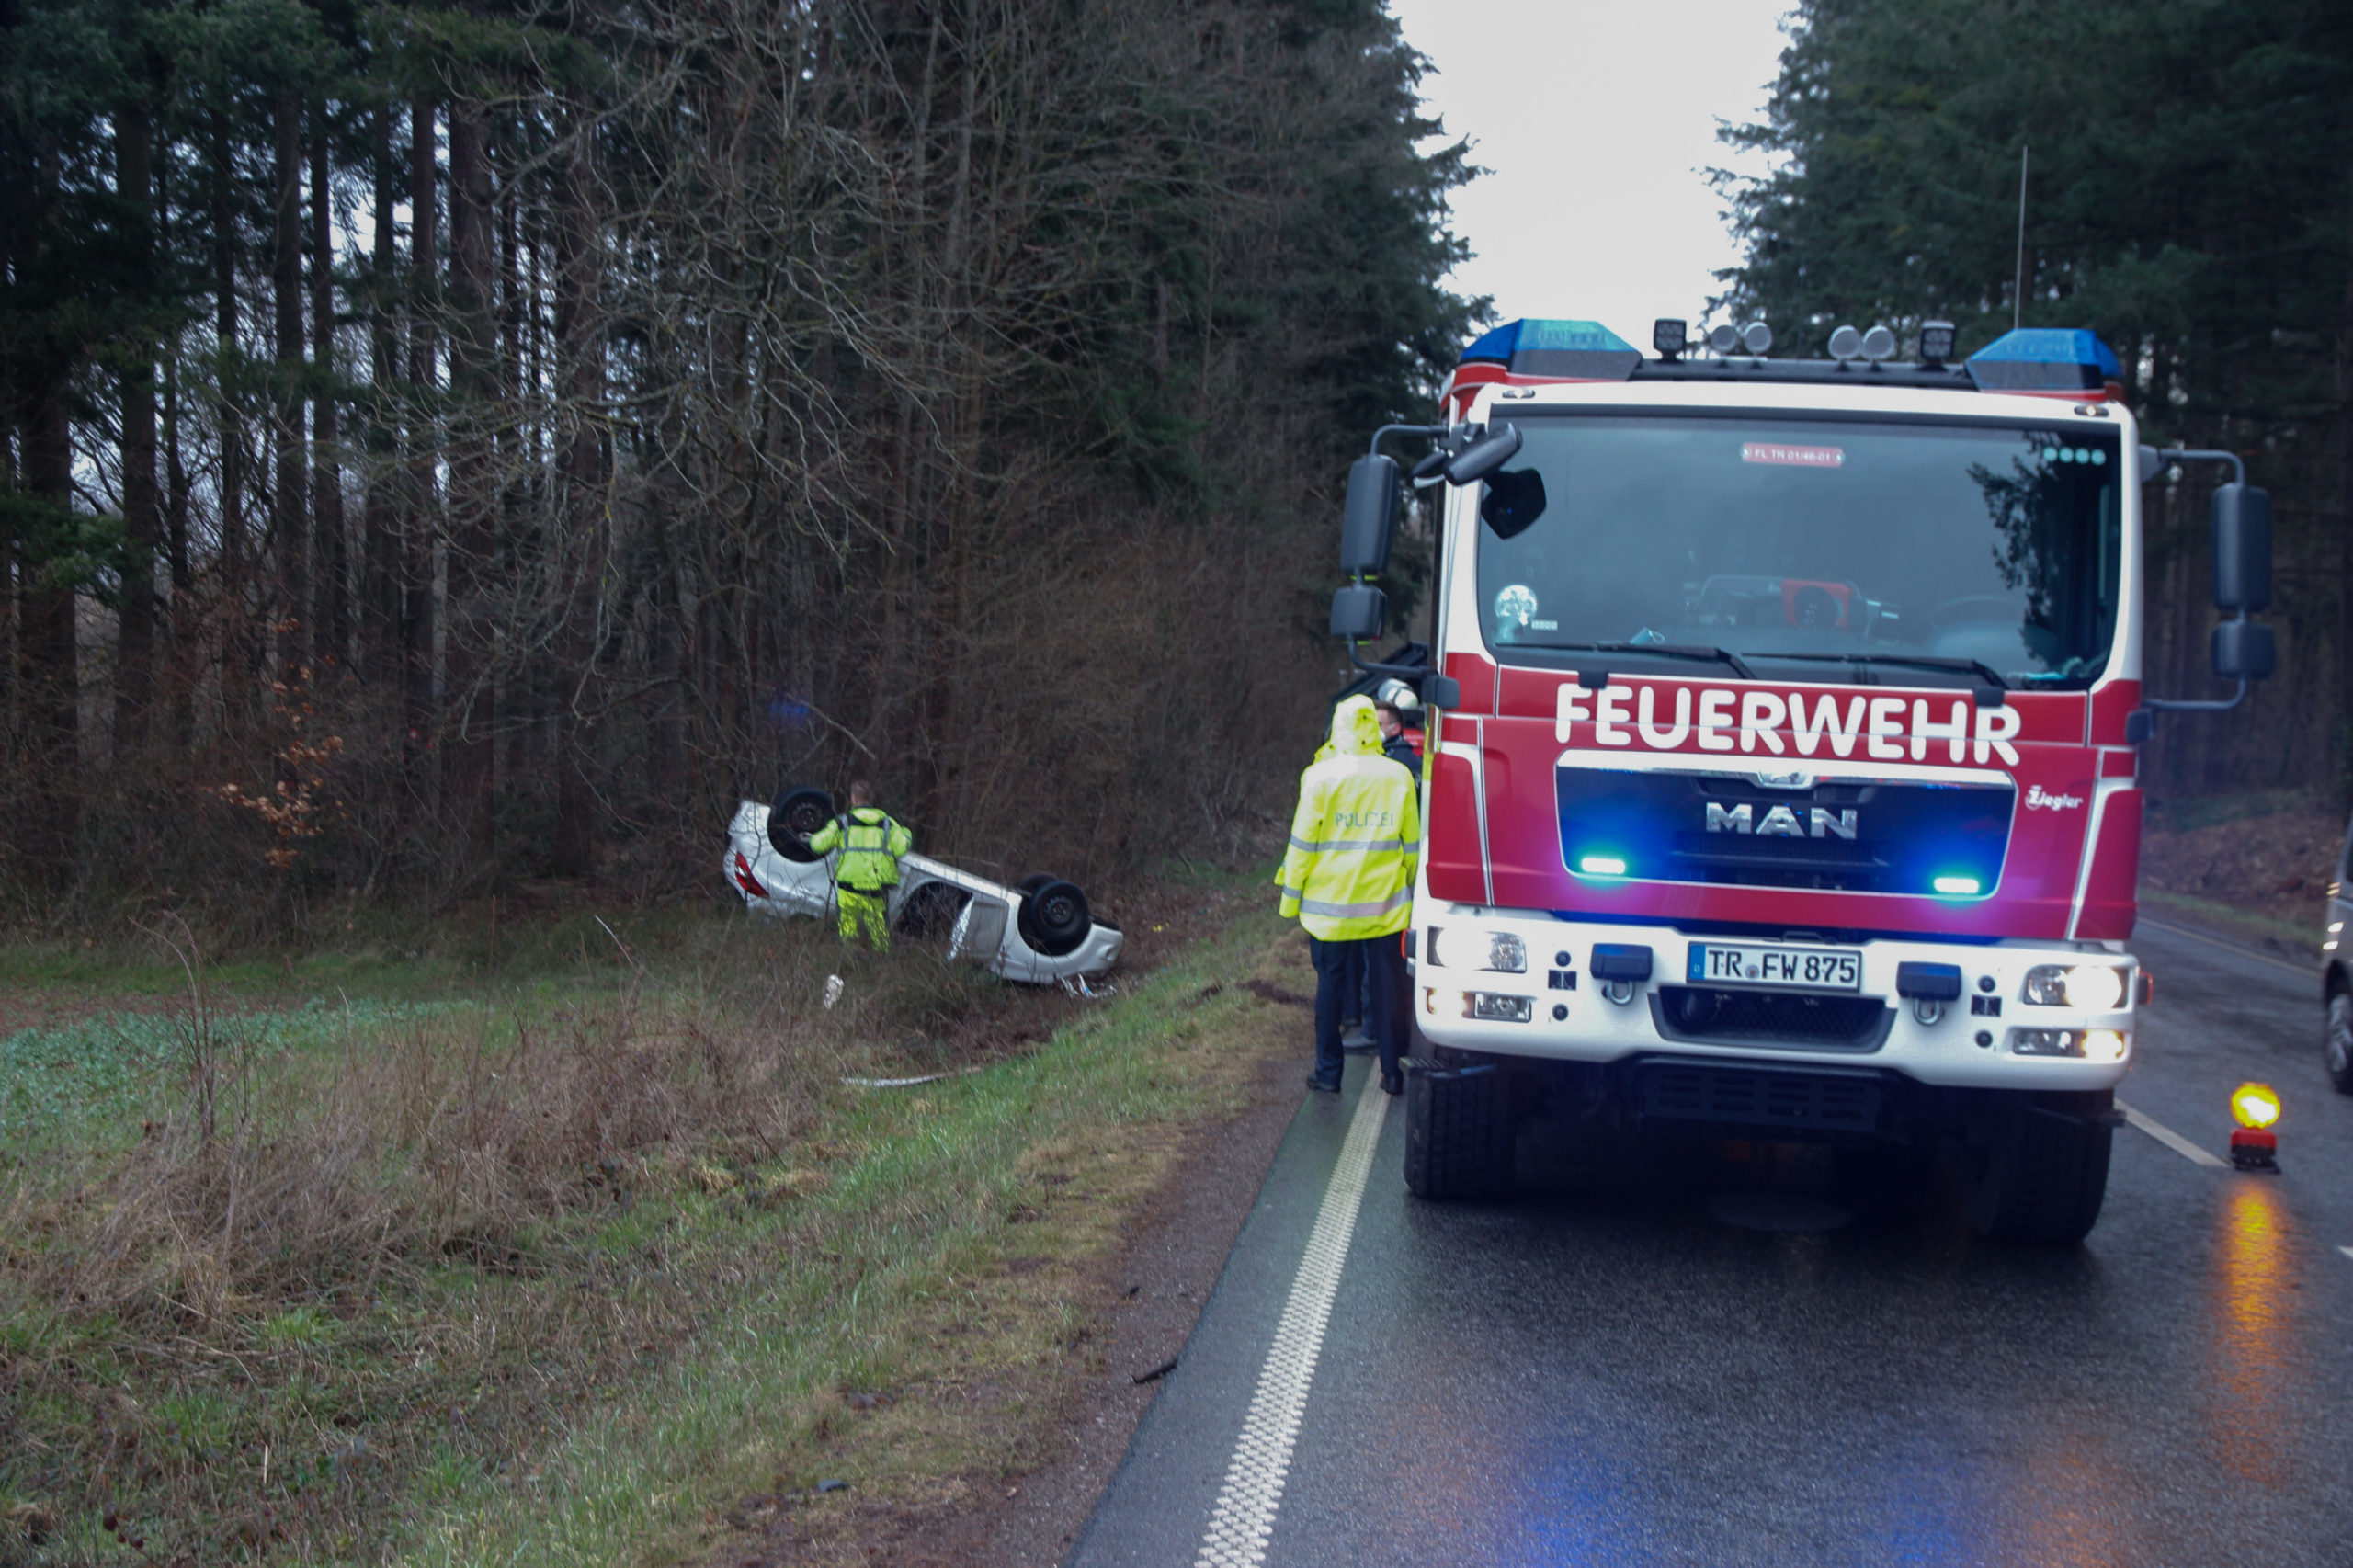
(1355, 728)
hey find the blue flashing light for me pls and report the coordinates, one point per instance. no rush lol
(1601, 865)
(2045, 359)
(1958, 887)
(1583, 350)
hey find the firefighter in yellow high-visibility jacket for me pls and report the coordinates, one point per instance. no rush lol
(1348, 876)
(871, 843)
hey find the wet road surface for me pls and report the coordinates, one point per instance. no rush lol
(1707, 1360)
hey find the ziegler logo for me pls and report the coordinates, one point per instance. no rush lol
(2039, 799)
(1782, 822)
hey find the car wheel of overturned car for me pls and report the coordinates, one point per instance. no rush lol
(2337, 1043)
(1055, 917)
(1033, 881)
(799, 811)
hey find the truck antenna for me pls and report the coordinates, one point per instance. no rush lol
(2018, 286)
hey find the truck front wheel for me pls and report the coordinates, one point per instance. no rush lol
(1458, 1130)
(2035, 1169)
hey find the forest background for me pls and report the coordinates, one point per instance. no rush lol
(449, 447)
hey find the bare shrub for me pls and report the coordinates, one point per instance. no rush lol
(293, 1176)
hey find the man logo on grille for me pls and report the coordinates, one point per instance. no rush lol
(1782, 822)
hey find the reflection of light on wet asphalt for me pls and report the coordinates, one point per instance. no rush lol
(2251, 1330)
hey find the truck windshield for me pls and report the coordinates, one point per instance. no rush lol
(1926, 553)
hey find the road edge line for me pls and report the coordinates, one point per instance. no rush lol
(2172, 1140)
(1244, 1516)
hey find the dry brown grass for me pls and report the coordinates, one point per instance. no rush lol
(442, 1231)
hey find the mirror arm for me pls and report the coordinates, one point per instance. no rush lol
(2168, 456)
(1373, 450)
(2146, 720)
(1438, 690)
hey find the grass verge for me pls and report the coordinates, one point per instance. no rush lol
(565, 1278)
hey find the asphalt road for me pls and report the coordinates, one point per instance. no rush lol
(1707, 1360)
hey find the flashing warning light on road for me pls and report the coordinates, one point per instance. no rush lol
(2254, 1146)
(2254, 1105)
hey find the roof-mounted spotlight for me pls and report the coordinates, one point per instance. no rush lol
(1756, 337)
(1669, 337)
(1878, 344)
(1846, 343)
(1724, 338)
(1936, 343)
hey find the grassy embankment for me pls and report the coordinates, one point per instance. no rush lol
(562, 1268)
(2255, 864)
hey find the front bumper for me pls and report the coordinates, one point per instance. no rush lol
(1971, 1042)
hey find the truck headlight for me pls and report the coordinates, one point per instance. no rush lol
(1457, 947)
(2088, 988)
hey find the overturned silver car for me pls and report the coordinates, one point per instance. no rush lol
(1039, 933)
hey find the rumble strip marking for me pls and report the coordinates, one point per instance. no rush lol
(1245, 1516)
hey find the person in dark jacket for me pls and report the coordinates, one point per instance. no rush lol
(1393, 744)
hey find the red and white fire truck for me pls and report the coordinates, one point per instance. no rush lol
(1782, 773)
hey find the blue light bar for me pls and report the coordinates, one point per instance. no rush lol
(1581, 350)
(2045, 359)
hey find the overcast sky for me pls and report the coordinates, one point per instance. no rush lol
(1599, 123)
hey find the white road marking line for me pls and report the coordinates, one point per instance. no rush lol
(2172, 1140)
(2229, 947)
(1244, 1516)
(2346, 1251)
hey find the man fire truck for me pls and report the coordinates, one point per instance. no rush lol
(1781, 780)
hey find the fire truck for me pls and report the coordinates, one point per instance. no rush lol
(1780, 781)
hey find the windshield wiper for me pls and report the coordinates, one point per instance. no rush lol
(1993, 676)
(1664, 649)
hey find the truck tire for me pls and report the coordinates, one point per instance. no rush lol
(1458, 1130)
(2037, 1172)
(799, 811)
(2336, 1042)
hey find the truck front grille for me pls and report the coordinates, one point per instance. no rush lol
(1764, 1098)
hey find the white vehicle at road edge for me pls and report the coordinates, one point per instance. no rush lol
(1039, 933)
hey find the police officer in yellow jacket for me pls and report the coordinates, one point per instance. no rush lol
(1348, 876)
(871, 843)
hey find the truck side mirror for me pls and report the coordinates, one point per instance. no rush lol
(2242, 527)
(1369, 520)
(1360, 612)
(2243, 650)
(1483, 455)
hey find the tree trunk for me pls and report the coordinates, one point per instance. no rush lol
(286, 510)
(417, 570)
(239, 656)
(580, 361)
(135, 646)
(46, 632)
(332, 592)
(379, 513)
(474, 395)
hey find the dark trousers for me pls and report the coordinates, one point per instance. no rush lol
(1384, 970)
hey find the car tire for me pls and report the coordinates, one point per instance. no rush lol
(2035, 1168)
(1461, 1140)
(2336, 1042)
(1033, 881)
(798, 812)
(1054, 918)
